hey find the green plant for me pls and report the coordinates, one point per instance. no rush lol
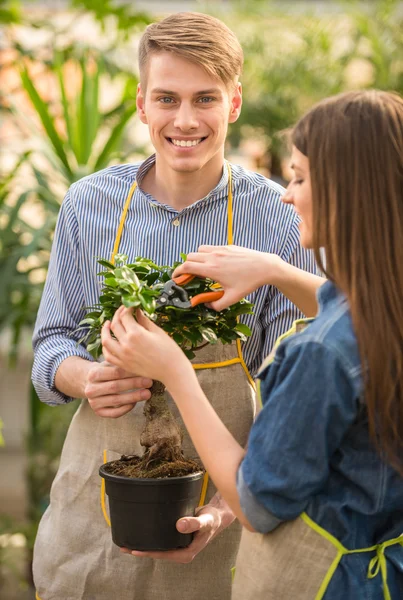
(138, 284)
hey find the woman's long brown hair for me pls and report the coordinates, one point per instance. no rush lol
(354, 143)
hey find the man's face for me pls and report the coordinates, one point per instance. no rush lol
(187, 112)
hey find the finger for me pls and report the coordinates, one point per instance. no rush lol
(117, 400)
(107, 372)
(182, 556)
(206, 248)
(117, 387)
(222, 303)
(203, 523)
(128, 320)
(195, 267)
(145, 322)
(114, 413)
(117, 326)
(108, 342)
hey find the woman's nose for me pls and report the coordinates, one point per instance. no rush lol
(287, 197)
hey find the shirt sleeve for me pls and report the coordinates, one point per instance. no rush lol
(309, 403)
(61, 308)
(279, 312)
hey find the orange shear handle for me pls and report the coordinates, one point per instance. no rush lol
(183, 279)
(206, 297)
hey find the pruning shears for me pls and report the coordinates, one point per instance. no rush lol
(173, 294)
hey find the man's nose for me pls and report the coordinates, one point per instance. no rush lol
(185, 118)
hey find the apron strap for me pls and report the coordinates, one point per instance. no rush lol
(376, 564)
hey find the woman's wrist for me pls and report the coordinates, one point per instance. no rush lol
(274, 270)
(180, 377)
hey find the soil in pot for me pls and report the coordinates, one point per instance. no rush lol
(162, 441)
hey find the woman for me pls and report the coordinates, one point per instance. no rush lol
(319, 488)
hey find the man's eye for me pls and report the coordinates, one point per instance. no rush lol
(205, 99)
(166, 100)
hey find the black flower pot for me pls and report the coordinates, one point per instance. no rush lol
(143, 512)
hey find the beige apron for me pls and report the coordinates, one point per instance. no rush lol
(75, 558)
(298, 559)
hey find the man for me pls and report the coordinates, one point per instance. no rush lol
(183, 196)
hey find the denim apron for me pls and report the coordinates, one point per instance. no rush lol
(298, 559)
(75, 558)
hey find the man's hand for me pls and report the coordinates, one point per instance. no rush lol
(112, 392)
(211, 519)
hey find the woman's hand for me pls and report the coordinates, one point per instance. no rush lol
(142, 347)
(240, 271)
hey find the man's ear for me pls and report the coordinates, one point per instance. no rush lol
(140, 103)
(236, 103)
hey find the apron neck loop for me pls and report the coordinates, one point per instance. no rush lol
(230, 236)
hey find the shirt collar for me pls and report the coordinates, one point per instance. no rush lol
(328, 293)
(220, 190)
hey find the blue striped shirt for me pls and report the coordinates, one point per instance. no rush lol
(86, 230)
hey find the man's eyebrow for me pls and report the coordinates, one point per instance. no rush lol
(200, 93)
(210, 91)
(162, 91)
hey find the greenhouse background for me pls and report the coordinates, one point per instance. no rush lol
(68, 84)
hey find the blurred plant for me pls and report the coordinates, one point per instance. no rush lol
(10, 12)
(377, 33)
(291, 62)
(294, 57)
(72, 138)
(125, 14)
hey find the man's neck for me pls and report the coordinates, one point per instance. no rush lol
(180, 190)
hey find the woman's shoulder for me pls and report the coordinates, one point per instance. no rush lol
(326, 342)
(331, 332)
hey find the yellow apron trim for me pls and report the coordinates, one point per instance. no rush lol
(245, 368)
(204, 489)
(122, 222)
(258, 393)
(37, 597)
(294, 328)
(376, 564)
(103, 495)
(216, 365)
(230, 234)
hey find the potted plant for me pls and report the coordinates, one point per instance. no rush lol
(148, 494)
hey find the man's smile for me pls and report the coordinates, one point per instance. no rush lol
(185, 142)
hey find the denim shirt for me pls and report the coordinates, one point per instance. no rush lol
(309, 450)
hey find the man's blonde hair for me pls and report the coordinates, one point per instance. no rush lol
(199, 38)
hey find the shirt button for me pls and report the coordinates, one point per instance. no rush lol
(176, 222)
